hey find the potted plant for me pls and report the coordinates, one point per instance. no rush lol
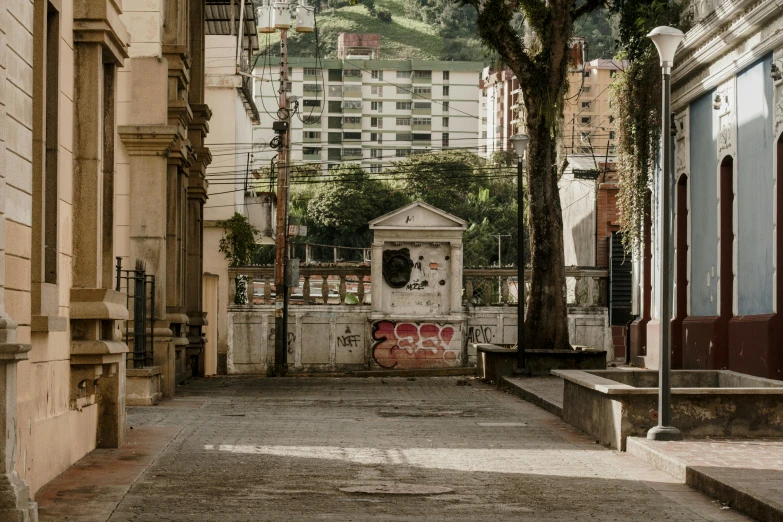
(239, 246)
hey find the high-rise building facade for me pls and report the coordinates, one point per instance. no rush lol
(370, 112)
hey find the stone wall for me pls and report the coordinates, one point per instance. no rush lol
(340, 338)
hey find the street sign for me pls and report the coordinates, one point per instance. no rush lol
(585, 174)
(297, 230)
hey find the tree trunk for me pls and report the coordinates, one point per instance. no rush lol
(546, 316)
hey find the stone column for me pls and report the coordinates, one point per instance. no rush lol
(376, 277)
(455, 282)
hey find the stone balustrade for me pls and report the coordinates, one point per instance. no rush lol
(585, 286)
(324, 285)
(318, 285)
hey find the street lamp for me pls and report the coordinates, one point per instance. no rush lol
(520, 141)
(666, 40)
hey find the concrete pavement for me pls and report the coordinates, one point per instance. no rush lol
(447, 448)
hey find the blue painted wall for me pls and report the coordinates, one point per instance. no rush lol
(755, 188)
(704, 207)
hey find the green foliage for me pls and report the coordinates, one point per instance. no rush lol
(384, 15)
(636, 107)
(600, 29)
(338, 211)
(238, 243)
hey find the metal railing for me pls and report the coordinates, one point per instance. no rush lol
(139, 288)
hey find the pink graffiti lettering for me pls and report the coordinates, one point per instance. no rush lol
(413, 345)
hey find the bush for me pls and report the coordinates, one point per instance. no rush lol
(384, 15)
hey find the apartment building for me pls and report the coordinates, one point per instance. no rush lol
(370, 112)
(588, 127)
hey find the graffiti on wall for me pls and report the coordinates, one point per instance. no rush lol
(480, 334)
(403, 345)
(291, 339)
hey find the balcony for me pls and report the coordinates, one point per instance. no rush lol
(426, 111)
(311, 140)
(316, 156)
(352, 154)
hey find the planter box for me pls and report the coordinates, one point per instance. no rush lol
(493, 362)
(610, 405)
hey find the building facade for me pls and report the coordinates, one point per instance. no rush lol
(370, 112)
(102, 156)
(588, 126)
(728, 103)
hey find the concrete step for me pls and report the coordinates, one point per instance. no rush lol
(754, 492)
(544, 392)
(423, 372)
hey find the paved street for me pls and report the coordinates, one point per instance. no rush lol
(236, 449)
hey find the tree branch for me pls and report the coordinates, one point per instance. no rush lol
(588, 7)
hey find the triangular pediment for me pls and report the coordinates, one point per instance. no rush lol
(418, 215)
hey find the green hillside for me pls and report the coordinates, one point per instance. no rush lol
(404, 37)
(418, 29)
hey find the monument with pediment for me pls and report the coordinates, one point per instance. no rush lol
(417, 317)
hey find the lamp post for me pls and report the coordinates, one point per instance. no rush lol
(520, 141)
(666, 40)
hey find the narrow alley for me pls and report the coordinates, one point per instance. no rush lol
(353, 449)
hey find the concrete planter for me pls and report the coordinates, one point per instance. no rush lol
(610, 405)
(494, 362)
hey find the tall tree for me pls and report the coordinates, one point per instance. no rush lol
(540, 62)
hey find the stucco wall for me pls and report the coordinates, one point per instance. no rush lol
(755, 189)
(704, 207)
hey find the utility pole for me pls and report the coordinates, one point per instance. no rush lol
(500, 265)
(281, 240)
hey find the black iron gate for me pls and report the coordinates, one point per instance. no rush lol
(620, 282)
(139, 287)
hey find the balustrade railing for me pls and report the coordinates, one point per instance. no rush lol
(318, 285)
(585, 286)
(347, 284)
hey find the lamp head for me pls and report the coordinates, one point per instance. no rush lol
(666, 40)
(519, 141)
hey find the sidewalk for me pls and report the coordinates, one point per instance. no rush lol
(745, 474)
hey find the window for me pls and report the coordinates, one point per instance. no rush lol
(352, 105)
(586, 89)
(352, 152)
(376, 122)
(46, 91)
(403, 121)
(352, 88)
(311, 103)
(445, 139)
(403, 74)
(422, 137)
(445, 75)
(309, 151)
(377, 75)
(584, 136)
(611, 135)
(586, 74)
(374, 136)
(586, 119)
(375, 169)
(403, 106)
(312, 135)
(612, 74)
(404, 136)
(414, 152)
(422, 121)
(445, 106)
(402, 153)
(445, 90)
(375, 153)
(611, 119)
(335, 91)
(483, 120)
(377, 89)
(484, 136)
(309, 71)
(311, 120)
(335, 106)
(422, 105)
(422, 74)
(422, 90)
(352, 73)
(335, 122)
(352, 119)
(585, 105)
(335, 75)
(352, 136)
(335, 137)
(335, 154)
(376, 106)
(446, 122)
(403, 90)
